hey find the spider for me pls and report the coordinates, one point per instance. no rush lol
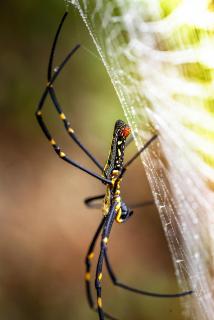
(114, 208)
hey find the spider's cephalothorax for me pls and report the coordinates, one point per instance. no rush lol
(113, 169)
(114, 163)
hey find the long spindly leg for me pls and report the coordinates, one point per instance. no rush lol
(94, 203)
(91, 202)
(47, 133)
(129, 140)
(62, 116)
(104, 240)
(117, 283)
(57, 148)
(136, 155)
(89, 257)
(70, 130)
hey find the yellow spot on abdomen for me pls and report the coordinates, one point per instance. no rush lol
(70, 130)
(39, 113)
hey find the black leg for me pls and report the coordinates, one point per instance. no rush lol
(104, 240)
(142, 204)
(89, 257)
(70, 130)
(50, 73)
(129, 140)
(53, 48)
(59, 151)
(116, 282)
(91, 202)
(44, 128)
(129, 162)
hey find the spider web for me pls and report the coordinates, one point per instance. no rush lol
(159, 56)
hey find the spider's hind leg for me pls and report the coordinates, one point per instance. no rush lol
(94, 203)
(91, 202)
(117, 283)
(103, 247)
(88, 259)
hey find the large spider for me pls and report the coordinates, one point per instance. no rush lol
(114, 208)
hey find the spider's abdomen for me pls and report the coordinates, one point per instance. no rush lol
(116, 155)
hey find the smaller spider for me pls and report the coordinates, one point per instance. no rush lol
(114, 208)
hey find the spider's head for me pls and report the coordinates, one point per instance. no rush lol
(126, 212)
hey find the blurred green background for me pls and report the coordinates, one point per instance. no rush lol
(45, 228)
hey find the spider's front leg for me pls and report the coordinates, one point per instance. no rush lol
(122, 285)
(104, 240)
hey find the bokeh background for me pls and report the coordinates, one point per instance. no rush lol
(45, 228)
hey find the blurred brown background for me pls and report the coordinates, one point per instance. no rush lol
(45, 228)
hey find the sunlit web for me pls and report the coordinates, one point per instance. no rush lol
(160, 58)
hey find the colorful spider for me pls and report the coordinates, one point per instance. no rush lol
(114, 208)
